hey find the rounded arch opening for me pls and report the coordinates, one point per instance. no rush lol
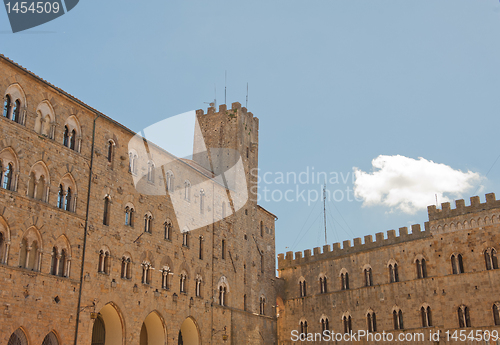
(152, 330)
(108, 327)
(189, 333)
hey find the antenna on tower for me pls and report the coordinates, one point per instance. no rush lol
(225, 86)
(246, 104)
(324, 209)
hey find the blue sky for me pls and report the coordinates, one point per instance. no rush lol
(334, 83)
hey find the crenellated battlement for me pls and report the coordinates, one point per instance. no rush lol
(460, 209)
(336, 250)
(235, 110)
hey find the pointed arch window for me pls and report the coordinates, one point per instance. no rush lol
(368, 276)
(322, 285)
(425, 313)
(344, 279)
(302, 287)
(325, 324)
(490, 258)
(393, 273)
(496, 313)
(421, 268)
(132, 167)
(167, 230)
(371, 321)
(397, 318)
(463, 316)
(222, 295)
(126, 272)
(347, 323)
(457, 264)
(129, 216)
(165, 280)
(104, 263)
(303, 327)
(111, 145)
(185, 239)
(262, 305)
(148, 222)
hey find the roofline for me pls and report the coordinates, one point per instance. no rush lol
(272, 214)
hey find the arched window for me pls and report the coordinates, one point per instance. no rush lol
(126, 272)
(368, 276)
(146, 272)
(104, 262)
(303, 327)
(170, 181)
(302, 287)
(262, 305)
(7, 177)
(393, 273)
(148, 219)
(151, 176)
(496, 313)
(2, 248)
(397, 317)
(490, 258)
(325, 324)
(463, 316)
(322, 284)
(457, 264)
(6, 106)
(66, 136)
(106, 213)
(62, 263)
(54, 268)
(185, 241)
(202, 202)
(18, 338)
(50, 339)
(168, 230)
(222, 295)
(425, 313)
(344, 280)
(347, 323)
(187, 190)
(182, 282)
(198, 286)
(371, 321)
(129, 216)
(165, 281)
(111, 145)
(421, 268)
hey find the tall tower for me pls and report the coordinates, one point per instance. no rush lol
(226, 141)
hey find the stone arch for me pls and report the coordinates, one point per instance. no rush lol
(9, 157)
(74, 132)
(45, 121)
(15, 91)
(189, 332)
(419, 257)
(67, 193)
(18, 337)
(153, 330)
(343, 271)
(114, 327)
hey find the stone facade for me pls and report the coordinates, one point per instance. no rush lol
(88, 248)
(444, 277)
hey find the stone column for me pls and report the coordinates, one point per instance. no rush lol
(28, 250)
(6, 254)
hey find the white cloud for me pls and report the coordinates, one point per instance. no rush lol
(410, 184)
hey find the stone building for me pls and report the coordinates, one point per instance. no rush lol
(91, 246)
(444, 277)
